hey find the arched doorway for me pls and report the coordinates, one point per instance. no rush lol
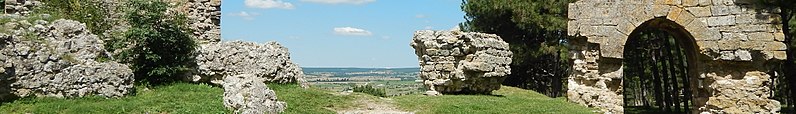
(658, 69)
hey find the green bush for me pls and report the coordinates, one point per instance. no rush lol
(381, 92)
(158, 46)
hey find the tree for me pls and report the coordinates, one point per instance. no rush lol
(788, 14)
(535, 30)
(158, 46)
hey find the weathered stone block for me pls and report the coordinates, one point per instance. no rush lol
(674, 13)
(761, 36)
(661, 10)
(721, 20)
(685, 18)
(479, 69)
(689, 3)
(775, 46)
(700, 11)
(270, 61)
(779, 36)
(705, 2)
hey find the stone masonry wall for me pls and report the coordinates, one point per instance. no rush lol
(19, 7)
(461, 62)
(204, 18)
(57, 59)
(735, 46)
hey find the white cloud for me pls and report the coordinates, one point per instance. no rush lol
(420, 16)
(246, 15)
(268, 4)
(350, 31)
(340, 1)
(428, 27)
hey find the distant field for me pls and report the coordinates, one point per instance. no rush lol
(310, 69)
(396, 81)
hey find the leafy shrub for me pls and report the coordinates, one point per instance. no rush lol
(158, 46)
(381, 92)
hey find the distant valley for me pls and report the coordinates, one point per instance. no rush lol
(397, 81)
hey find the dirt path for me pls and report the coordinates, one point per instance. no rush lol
(369, 105)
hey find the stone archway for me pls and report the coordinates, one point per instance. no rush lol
(658, 65)
(735, 48)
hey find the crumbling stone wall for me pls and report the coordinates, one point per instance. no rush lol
(270, 61)
(20, 7)
(456, 62)
(735, 46)
(57, 59)
(204, 18)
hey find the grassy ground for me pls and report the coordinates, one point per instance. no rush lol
(179, 98)
(195, 98)
(310, 101)
(507, 100)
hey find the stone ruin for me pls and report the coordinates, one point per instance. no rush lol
(461, 62)
(204, 18)
(63, 62)
(269, 61)
(19, 7)
(250, 96)
(57, 59)
(733, 50)
(242, 68)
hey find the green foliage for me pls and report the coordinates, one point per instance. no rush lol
(178, 98)
(506, 100)
(368, 89)
(787, 82)
(158, 46)
(536, 32)
(547, 15)
(310, 100)
(90, 12)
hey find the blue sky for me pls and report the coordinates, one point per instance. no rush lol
(339, 33)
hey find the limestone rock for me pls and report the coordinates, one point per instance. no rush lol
(270, 61)
(204, 18)
(20, 7)
(461, 62)
(58, 60)
(247, 94)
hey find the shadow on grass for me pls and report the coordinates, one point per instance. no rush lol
(490, 95)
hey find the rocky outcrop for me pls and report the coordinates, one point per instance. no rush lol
(461, 62)
(57, 59)
(270, 61)
(247, 94)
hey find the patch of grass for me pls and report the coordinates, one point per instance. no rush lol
(507, 100)
(177, 98)
(311, 100)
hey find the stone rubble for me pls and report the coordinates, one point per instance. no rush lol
(20, 7)
(461, 62)
(57, 59)
(270, 61)
(247, 94)
(204, 18)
